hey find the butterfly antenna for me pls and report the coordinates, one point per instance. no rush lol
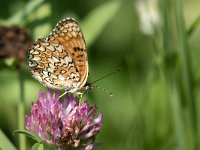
(105, 90)
(119, 69)
(89, 86)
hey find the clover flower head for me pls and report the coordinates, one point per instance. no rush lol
(66, 124)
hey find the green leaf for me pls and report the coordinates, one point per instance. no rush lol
(5, 143)
(97, 19)
(8, 63)
(38, 146)
(19, 17)
(194, 26)
(29, 134)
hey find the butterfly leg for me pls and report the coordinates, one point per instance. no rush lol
(62, 95)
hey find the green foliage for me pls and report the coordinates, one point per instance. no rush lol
(194, 26)
(21, 15)
(156, 95)
(5, 143)
(38, 146)
(104, 13)
(29, 134)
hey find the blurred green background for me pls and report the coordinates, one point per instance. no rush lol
(155, 103)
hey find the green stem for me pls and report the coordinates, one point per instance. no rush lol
(21, 110)
(185, 62)
(186, 71)
(174, 92)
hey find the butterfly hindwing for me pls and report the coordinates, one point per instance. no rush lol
(60, 60)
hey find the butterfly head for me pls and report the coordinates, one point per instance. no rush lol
(87, 87)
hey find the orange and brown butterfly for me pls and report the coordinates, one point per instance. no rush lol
(60, 60)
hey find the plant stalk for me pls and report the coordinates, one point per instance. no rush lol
(21, 110)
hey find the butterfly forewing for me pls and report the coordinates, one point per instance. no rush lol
(60, 60)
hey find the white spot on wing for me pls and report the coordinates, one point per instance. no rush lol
(50, 60)
(68, 59)
(50, 47)
(36, 58)
(45, 73)
(59, 48)
(50, 70)
(41, 48)
(55, 59)
(61, 77)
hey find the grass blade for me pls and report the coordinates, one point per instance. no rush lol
(171, 74)
(97, 19)
(19, 17)
(5, 143)
(193, 27)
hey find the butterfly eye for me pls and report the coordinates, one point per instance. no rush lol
(88, 87)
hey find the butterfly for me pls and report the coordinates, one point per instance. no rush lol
(60, 60)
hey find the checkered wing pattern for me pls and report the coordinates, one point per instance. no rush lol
(60, 60)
